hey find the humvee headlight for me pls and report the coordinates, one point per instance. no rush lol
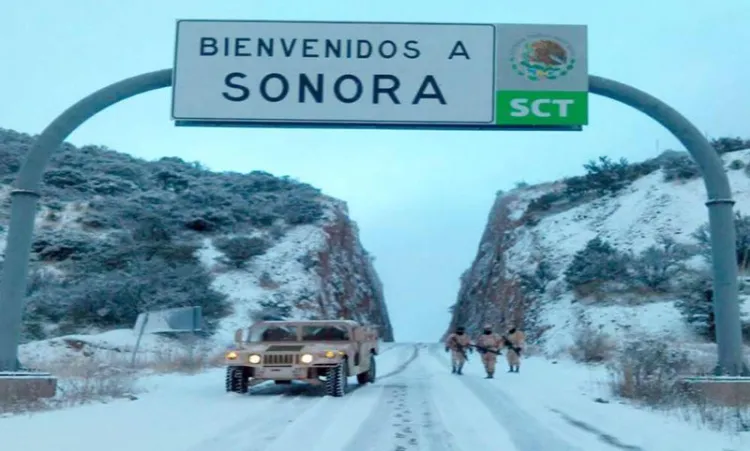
(306, 358)
(231, 355)
(255, 358)
(330, 354)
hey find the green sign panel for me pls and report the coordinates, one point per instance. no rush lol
(541, 75)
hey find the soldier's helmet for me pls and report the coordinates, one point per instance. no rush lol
(460, 329)
(512, 330)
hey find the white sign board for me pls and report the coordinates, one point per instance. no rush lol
(334, 73)
(180, 319)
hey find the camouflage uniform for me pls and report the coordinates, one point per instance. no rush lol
(458, 343)
(491, 342)
(515, 343)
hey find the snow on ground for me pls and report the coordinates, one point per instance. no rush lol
(554, 396)
(657, 319)
(178, 412)
(103, 346)
(416, 404)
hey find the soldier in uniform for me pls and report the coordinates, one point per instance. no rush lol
(488, 344)
(458, 343)
(515, 344)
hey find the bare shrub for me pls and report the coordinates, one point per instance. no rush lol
(702, 412)
(590, 345)
(181, 360)
(80, 381)
(88, 381)
(186, 354)
(647, 371)
(239, 250)
(266, 281)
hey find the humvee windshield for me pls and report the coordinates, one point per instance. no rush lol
(273, 333)
(325, 333)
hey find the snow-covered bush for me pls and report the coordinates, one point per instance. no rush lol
(590, 345)
(536, 282)
(597, 263)
(695, 303)
(742, 239)
(736, 164)
(59, 245)
(545, 201)
(274, 309)
(679, 167)
(296, 210)
(656, 267)
(119, 277)
(603, 176)
(726, 144)
(65, 178)
(240, 249)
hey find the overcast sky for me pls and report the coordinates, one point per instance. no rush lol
(421, 198)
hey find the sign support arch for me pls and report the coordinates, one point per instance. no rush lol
(720, 208)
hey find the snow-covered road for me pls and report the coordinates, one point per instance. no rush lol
(416, 404)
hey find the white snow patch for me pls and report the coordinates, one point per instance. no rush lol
(289, 278)
(657, 319)
(649, 430)
(114, 346)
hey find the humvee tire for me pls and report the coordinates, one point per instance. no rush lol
(237, 380)
(369, 375)
(336, 380)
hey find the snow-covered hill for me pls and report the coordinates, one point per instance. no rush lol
(116, 235)
(534, 233)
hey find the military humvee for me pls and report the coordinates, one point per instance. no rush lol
(315, 352)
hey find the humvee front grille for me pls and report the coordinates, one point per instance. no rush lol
(284, 348)
(280, 359)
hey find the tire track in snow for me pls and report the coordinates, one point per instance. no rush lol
(297, 422)
(248, 433)
(603, 436)
(385, 347)
(526, 432)
(402, 367)
(468, 421)
(403, 419)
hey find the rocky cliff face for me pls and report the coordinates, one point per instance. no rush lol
(350, 287)
(490, 293)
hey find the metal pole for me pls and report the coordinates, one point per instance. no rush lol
(24, 201)
(138, 340)
(720, 215)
